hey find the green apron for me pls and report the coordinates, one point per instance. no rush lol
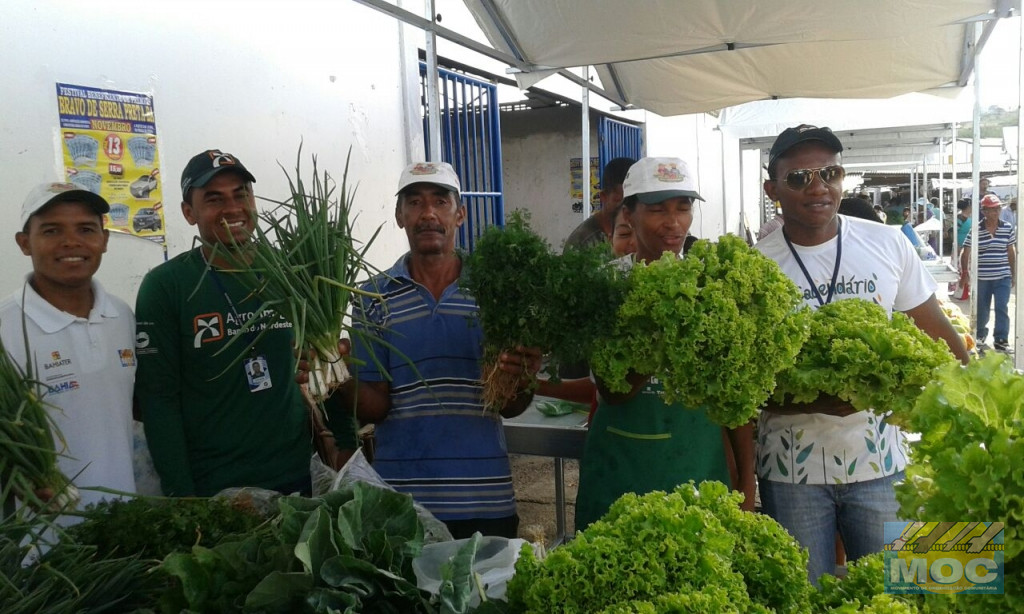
(645, 445)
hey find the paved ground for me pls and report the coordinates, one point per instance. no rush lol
(965, 306)
(534, 480)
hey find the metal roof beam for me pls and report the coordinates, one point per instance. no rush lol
(425, 24)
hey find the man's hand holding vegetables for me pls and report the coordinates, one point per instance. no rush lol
(420, 383)
(637, 442)
(818, 472)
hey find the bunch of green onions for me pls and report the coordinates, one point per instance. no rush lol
(28, 453)
(303, 263)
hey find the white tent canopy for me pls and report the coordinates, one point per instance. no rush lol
(674, 57)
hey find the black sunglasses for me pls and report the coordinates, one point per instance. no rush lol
(801, 178)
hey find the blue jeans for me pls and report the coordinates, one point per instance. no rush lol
(812, 513)
(999, 290)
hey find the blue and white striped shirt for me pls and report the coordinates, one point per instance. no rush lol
(437, 443)
(993, 259)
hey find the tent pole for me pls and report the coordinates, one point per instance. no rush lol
(942, 203)
(585, 159)
(1018, 316)
(975, 182)
(433, 98)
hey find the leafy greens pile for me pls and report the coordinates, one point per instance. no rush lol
(855, 352)
(968, 462)
(689, 550)
(530, 296)
(861, 590)
(715, 327)
(349, 551)
(156, 527)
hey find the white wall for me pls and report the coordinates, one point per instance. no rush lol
(251, 78)
(536, 147)
(715, 159)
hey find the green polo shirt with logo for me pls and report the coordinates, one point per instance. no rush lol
(206, 429)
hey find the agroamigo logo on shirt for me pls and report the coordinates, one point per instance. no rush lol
(207, 327)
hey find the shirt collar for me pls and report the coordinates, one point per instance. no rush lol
(50, 319)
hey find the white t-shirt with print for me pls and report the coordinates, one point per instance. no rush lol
(878, 264)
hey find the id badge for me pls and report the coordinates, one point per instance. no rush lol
(256, 373)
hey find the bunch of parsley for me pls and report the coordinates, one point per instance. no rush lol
(528, 295)
(715, 327)
(688, 550)
(855, 352)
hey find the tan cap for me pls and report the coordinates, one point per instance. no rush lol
(438, 173)
(46, 194)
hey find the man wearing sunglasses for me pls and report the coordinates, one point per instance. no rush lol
(846, 484)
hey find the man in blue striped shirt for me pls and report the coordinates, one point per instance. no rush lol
(997, 274)
(420, 383)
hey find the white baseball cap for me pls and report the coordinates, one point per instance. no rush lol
(46, 194)
(653, 180)
(438, 173)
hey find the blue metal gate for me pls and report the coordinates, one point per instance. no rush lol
(617, 140)
(471, 142)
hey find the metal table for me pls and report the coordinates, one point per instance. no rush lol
(559, 437)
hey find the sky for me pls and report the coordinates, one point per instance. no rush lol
(1000, 66)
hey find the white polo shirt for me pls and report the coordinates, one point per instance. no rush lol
(88, 366)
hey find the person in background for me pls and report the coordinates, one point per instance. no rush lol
(963, 221)
(771, 225)
(880, 213)
(1009, 213)
(420, 384)
(997, 272)
(858, 207)
(637, 442)
(597, 228)
(216, 419)
(81, 340)
(822, 251)
(623, 241)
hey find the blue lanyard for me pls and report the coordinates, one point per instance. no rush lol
(835, 270)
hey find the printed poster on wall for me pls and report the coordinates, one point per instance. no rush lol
(576, 182)
(108, 138)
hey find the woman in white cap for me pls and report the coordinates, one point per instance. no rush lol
(637, 442)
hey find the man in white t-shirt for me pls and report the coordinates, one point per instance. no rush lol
(81, 340)
(828, 467)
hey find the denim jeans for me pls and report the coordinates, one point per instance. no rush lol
(812, 513)
(999, 290)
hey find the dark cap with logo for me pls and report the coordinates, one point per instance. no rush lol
(204, 166)
(791, 137)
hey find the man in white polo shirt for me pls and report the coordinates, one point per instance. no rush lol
(81, 340)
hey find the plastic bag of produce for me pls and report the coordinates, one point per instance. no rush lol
(494, 562)
(358, 469)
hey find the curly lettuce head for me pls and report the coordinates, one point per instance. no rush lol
(714, 327)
